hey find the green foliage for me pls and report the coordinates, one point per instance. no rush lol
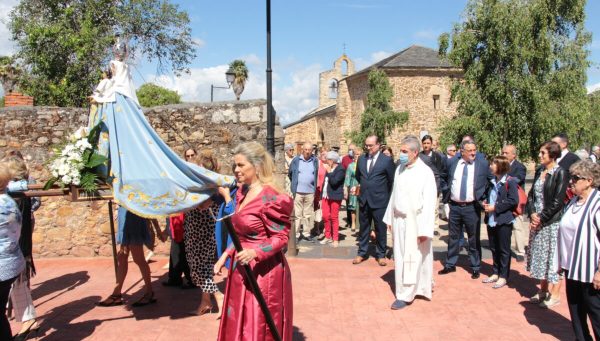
(524, 68)
(378, 118)
(591, 128)
(1, 102)
(151, 95)
(64, 44)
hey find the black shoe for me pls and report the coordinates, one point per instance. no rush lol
(447, 270)
(475, 274)
(189, 285)
(172, 284)
(519, 258)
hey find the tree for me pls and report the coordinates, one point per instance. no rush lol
(594, 133)
(64, 44)
(524, 65)
(241, 76)
(151, 95)
(9, 73)
(378, 118)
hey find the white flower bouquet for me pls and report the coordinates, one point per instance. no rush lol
(75, 161)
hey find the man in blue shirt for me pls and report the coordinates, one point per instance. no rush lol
(303, 174)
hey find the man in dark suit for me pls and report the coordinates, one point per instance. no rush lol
(566, 159)
(521, 228)
(375, 176)
(465, 189)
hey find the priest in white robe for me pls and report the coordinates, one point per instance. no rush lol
(410, 216)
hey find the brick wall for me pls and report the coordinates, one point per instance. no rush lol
(82, 229)
(15, 99)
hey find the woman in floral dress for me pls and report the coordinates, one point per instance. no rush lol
(544, 206)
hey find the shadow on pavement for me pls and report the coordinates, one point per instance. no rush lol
(58, 286)
(60, 319)
(548, 321)
(298, 335)
(389, 278)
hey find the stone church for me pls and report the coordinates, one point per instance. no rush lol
(421, 83)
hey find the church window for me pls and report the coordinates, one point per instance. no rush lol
(436, 101)
(333, 88)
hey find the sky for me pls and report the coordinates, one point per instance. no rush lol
(307, 37)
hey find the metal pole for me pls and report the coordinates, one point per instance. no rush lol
(112, 234)
(251, 279)
(270, 114)
(211, 92)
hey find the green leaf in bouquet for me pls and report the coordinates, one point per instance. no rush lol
(94, 134)
(50, 183)
(88, 182)
(96, 160)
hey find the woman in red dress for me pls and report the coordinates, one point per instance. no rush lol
(262, 221)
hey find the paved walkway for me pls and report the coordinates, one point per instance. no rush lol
(333, 300)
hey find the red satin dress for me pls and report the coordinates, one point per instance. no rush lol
(262, 224)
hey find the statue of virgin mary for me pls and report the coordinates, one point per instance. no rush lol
(147, 177)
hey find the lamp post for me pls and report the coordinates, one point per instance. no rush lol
(229, 76)
(270, 113)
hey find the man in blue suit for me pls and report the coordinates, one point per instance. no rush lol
(464, 189)
(375, 175)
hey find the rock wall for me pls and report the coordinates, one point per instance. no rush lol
(82, 229)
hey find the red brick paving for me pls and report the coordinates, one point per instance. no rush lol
(333, 300)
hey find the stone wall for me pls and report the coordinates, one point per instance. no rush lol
(414, 92)
(82, 229)
(321, 130)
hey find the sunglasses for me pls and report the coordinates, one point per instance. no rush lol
(576, 178)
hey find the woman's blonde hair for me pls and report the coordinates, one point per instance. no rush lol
(17, 167)
(5, 175)
(258, 156)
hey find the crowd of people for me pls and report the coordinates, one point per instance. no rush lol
(554, 224)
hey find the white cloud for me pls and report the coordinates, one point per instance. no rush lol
(199, 42)
(295, 93)
(7, 47)
(375, 57)
(593, 87)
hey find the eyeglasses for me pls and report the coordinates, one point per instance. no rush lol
(187, 156)
(451, 150)
(576, 178)
(369, 145)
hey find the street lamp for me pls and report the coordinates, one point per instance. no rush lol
(229, 76)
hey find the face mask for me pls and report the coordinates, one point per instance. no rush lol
(351, 153)
(403, 159)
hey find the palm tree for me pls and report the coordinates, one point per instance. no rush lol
(241, 76)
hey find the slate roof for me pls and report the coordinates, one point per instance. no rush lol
(413, 57)
(312, 114)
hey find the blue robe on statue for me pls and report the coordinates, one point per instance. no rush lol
(147, 177)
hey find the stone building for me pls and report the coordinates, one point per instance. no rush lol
(421, 84)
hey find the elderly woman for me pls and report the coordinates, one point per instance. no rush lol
(545, 204)
(12, 262)
(579, 249)
(333, 193)
(502, 199)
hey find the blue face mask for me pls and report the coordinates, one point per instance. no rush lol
(351, 153)
(403, 159)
